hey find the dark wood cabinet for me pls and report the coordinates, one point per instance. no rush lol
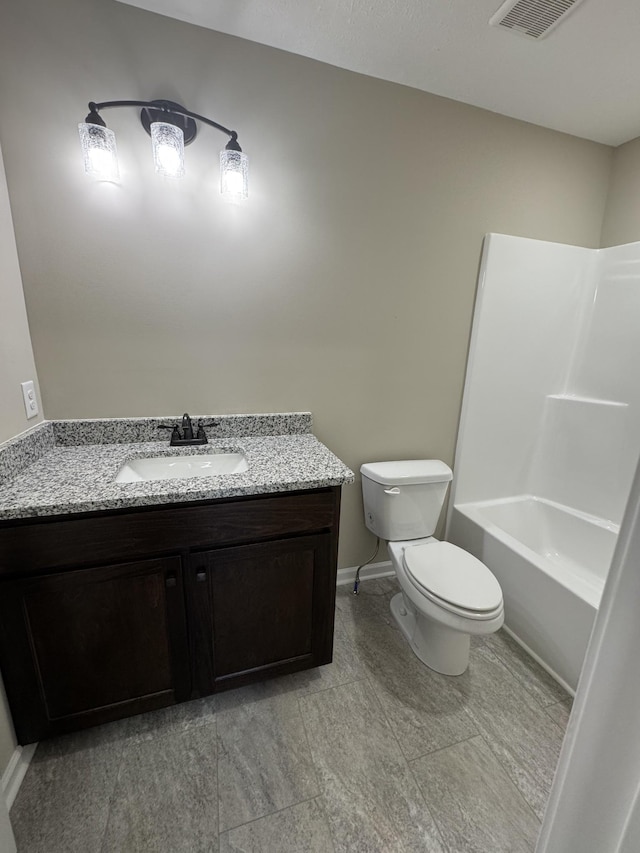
(93, 645)
(259, 607)
(112, 614)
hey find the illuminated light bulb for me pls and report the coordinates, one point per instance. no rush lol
(167, 141)
(234, 183)
(168, 160)
(234, 175)
(99, 151)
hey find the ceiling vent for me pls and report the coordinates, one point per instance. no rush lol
(532, 18)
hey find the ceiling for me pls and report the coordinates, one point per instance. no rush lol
(582, 78)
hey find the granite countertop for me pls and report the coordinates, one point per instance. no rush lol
(70, 475)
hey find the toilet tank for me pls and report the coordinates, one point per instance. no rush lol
(403, 500)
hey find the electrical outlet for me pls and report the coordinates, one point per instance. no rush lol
(30, 401)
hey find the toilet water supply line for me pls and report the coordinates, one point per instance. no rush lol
(366, 563)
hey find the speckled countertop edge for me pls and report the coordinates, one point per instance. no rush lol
(76, 479)
(23, 449)
(71, 433)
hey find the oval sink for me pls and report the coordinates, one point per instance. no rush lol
(179, 467)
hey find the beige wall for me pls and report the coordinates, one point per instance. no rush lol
(16, 366)
(622, 215)
(345, 286)
(16, 355)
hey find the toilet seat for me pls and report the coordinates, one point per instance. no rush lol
(453, 579)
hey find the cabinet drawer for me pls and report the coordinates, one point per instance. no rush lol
(52, 544)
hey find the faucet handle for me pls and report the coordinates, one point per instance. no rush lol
(200, 434)
(175, 432)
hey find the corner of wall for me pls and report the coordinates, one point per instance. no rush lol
(621, 219)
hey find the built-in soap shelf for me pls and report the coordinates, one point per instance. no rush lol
(576, 398)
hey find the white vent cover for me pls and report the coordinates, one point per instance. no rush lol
(532, 18)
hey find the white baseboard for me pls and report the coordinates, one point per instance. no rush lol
(370, 572)
(15, 771)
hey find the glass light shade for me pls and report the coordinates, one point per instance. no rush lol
(234, 175)
(167, 141)
(99, 151)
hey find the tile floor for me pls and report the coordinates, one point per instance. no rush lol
(373, 752)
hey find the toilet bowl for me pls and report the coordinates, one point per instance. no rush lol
(447, 594)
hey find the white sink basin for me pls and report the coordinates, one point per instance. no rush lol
(178, 467)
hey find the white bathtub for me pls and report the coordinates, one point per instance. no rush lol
(552, 562)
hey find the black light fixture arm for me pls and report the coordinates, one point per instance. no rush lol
(168, 108)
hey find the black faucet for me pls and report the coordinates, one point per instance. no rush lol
(186, 436)
(187, 428)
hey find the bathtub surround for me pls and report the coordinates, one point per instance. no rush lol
(550, 433)
(579, 546)
(552, 595)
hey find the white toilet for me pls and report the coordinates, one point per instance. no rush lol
(447, 594)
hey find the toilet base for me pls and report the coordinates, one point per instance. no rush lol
(440, 648)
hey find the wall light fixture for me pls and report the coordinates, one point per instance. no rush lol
(170, 127)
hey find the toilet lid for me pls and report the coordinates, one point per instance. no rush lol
(453, 575)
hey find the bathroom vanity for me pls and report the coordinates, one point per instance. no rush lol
(165, 591)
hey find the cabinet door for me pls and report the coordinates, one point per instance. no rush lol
(93, 645)
(261, 609)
